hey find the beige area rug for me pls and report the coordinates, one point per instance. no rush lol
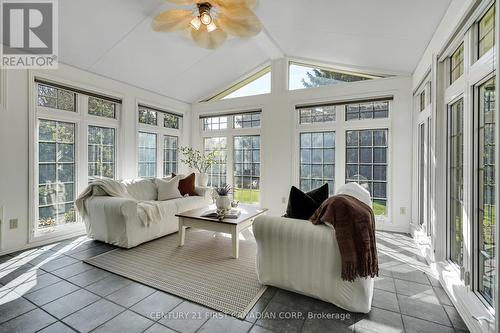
(202, 271)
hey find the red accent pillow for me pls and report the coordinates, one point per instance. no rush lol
(186, 185)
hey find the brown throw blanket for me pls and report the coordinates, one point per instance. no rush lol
(354, 225)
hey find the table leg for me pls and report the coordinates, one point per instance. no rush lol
(182, 233)
(235, 235)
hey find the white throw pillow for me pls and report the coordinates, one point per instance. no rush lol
(168, 189)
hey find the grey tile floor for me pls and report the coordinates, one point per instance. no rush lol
(50, 289)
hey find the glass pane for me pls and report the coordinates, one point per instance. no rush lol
(169, 155)
(365, 152)
(247, 188)
(486, 32)
(147, 154)
(217, 173)
(260, 85)
(247, 120)
(304, 76)
(170, 121)
(56, 172)
(486, 191)
(101, 108)
(317, 164)
(457, 63)
(455, 182)
(56, 98)
(147, 116)
(101, 152)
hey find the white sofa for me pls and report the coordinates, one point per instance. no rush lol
(115, 220)
(301, 257)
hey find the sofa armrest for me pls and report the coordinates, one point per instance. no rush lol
(204, 192)
(110, 207)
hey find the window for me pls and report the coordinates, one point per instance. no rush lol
(317, 114)
(169, 155)
(215, 123)
(102, 108)
(306, 76)
(56, 173)
(422, 100)
(257, 84)
(317, 160)
(171, 121)
(486, 190)
(367, 110)
(247, 168)
(101, 152)
(159, 133)
(421, 173)
(217, 174)
(147, 116)
(366, 164)
(56, 98)
(247, 120)
(457, 64)
(486, 32)
(455, 180)
(147, 154)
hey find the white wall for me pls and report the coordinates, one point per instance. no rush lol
(15, 136)
(279, 130)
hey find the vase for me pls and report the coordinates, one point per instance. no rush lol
(202, 179)
(223, 202)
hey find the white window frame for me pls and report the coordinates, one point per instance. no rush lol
(340, 126)
(82, 121)
(475, 71)
(230, 133)
(160, 130)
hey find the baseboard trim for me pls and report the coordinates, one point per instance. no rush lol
(43, 242)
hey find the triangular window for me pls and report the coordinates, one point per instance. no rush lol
(257, 84)
(303, 76)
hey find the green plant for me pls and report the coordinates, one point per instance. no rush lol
(46, 222)
(70, 216)
(223, 191)
(195, 159)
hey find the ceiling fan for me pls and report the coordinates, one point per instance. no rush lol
(211, 21)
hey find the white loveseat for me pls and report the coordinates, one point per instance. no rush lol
(301, 257)
(116, 221)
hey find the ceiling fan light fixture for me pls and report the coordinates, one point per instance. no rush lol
(195, 23)
(204, 10)
(205, 18)
(211, 27)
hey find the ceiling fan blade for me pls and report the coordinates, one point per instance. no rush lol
(208, 40)
(172, 20)
(183, 2)
(232, 4)
(246, 26)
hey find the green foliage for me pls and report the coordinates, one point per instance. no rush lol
(195, 159)
(102, 108)
(46, 222)
(321, 77)
(70, 216)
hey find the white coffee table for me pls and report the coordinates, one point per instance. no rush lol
(193, 219)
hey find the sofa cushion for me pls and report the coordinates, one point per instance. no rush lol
(187, 185)
(188, 203)
(303, 205)
(168, 189)
(141, 189)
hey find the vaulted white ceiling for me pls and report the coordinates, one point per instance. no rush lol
(114, 38)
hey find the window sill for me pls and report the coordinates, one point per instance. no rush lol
(468, 305)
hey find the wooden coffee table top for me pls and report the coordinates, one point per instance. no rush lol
(247, 212)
